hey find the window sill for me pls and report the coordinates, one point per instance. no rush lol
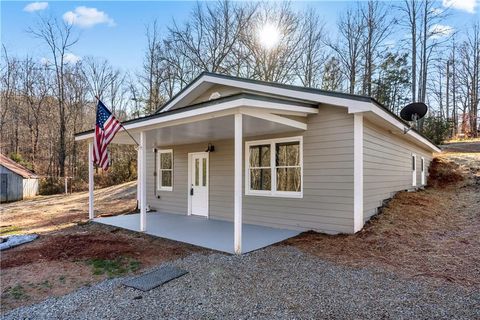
(295, 195)
(165, 189)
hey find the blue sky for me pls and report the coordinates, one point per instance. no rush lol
(116, 29)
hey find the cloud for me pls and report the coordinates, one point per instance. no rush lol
(463, 5)
(35, 6)
(69, 58)
(441, 30)
(87, 17)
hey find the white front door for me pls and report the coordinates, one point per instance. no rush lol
(198, 191)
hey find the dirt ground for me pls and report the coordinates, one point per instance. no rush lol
(48, 213)
(63, 259)
(434, 233)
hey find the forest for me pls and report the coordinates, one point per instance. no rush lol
(45, 101)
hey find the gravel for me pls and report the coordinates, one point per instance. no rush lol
(275, 283)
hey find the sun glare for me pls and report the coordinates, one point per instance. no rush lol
(269, 36)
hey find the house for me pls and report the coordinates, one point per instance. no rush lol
(255, 155)
(16, 181)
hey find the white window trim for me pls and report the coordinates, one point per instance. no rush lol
(422, 170)
(159, 170)
(414, 170)
(272, 192)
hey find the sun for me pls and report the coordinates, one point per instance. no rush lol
(268, 36)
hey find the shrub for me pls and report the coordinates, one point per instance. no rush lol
(436, 129)
(51, 185)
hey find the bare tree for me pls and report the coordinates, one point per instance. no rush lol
(59, 38)
(99, 75)
(312, 52)
(209, 39)
(469, 78)
(332, 77)
(35, 90)
(10, 81)
(411, 11)
(377, 27)
(348, 47)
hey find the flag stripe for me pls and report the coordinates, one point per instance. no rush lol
(106, 128)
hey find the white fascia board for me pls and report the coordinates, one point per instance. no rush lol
(292, 93)
(400, 125)
(214, 111)
(182, 95)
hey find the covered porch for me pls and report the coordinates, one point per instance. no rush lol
(231, 119)
(199, 231)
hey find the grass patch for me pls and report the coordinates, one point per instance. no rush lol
(115, 267)
(17, 292)
(9, 230)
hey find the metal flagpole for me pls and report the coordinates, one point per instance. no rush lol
(138, 145)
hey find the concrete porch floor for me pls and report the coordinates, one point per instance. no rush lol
(199, 231)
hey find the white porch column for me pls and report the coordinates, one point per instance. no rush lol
(142, 171)
(139, 185)
(91, 213)
(357, 172)
(238, 184)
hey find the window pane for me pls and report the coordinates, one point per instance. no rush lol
(166, 178)
(413, 163)
(260, 179)
(288, 154)
(204, 172)
(166, 160)
(260, 156)
(197, 170)
(289, 179)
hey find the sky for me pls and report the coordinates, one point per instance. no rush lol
(115, 30)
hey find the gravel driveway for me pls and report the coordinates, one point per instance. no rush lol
(275, 283)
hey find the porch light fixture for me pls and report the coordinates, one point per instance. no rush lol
(210, 148)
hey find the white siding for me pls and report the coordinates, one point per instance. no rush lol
(388, 166)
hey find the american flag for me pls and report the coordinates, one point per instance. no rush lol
(105, 129)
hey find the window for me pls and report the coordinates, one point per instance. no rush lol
(414, 170)
(274, 167)
(422, 169)
(165, 170)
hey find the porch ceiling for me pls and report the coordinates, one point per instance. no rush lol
(206, 130)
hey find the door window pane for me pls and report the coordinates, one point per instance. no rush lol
(204, 172)
(260, 179)
(197, 172)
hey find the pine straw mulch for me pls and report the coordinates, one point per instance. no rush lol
(433, 233)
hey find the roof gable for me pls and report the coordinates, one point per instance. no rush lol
(355, 103)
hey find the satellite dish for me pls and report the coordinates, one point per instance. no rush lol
(413, 112)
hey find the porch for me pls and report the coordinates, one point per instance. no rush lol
(184, 186)
(199, 231)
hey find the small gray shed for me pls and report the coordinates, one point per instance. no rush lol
(16, 181)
